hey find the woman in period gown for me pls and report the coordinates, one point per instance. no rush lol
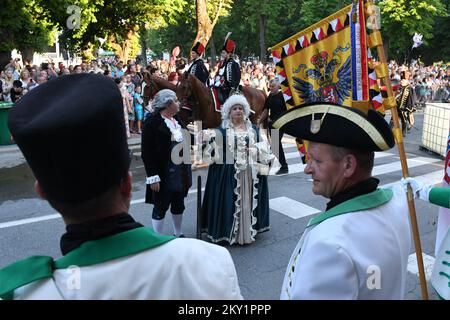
(236, 201)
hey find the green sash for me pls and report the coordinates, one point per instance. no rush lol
(364, 202)
(89, 253)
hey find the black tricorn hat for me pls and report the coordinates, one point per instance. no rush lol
(71, 131)
(337, 125)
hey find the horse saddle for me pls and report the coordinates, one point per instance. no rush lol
(217, 98)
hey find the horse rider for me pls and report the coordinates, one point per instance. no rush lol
(197, 67)
(229, 75)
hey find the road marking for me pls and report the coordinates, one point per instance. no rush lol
(433, 178)
(291, 208)
(378, 155)
(428, 263)
(137, 201)
(430, 178)
(296, 209)
(395, 166)
(293, 154)
(29, 220)
(293, 168)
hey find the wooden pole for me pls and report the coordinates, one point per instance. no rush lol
(398, 135)
(199, 207)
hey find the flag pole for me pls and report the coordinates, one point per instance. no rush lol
(376, 41)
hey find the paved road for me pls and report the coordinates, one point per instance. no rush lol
(29, 226)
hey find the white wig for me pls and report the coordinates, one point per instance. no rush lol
(163, 99)
(233, 100)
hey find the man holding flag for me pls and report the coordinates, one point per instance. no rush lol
(358, 247)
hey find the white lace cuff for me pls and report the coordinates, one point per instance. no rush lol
(153, 179)
(265, 155)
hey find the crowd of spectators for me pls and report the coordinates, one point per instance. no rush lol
(430, 83)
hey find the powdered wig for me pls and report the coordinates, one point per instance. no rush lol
(163, 99)
(233, 100)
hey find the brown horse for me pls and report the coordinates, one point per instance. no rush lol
(190, 88)
(155, 84)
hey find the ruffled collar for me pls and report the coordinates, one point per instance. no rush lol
(174, 127)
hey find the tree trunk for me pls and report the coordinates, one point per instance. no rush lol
(27, 55)
(123, 49)
(143, 36)
(112, 40)
(262, 37)
(213, 53)
(5, 58)
(126, 47)
(204, 25)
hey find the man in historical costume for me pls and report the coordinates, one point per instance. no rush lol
(86, 178)
(405, 103)
(440, 278)
(229, 74)
(168, 183)
(274, 107)
(358, 247)
(197, 67)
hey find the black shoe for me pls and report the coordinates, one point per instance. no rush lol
(282, 171)
(180, 236)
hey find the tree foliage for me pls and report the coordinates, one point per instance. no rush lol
(437, 48)
(400, 19)
(21, 29)
(255, 24)
(116, 20)
(183, 32)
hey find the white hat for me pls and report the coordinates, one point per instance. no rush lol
(236, 99)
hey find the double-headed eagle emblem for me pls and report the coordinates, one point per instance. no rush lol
(322, 73)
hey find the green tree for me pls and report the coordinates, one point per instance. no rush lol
(186, 31)
(400, 19)
(21, 29)
(315, 10)
(437, 48)
(266, 23)
(179, 34)
(116, 20)
(207, 15)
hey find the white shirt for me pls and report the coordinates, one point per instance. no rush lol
(342, 257)
(187, 269)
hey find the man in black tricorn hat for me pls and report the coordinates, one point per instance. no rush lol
(358, 247)
(86, 178)
(197, 67)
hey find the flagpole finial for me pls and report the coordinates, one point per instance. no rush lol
(354, 13)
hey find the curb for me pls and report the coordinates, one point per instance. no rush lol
(13, 148)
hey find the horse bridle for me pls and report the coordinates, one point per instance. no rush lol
(152, 86)
(194, 106)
